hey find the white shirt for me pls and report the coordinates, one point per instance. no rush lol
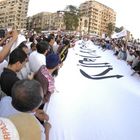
(36, 60)
(129, 57)
(3, 64)
(55, 47)
(24, 72)
(6, 110)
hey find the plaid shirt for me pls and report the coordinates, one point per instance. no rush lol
(50, 78)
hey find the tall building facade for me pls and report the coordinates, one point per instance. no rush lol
(99, 16)
(13, 13)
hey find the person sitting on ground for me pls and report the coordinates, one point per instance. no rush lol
(122, 55)
(17, 60)
(137, 59)
(130, 56)
(27, 96)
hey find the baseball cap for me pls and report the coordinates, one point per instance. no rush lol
(52, 60)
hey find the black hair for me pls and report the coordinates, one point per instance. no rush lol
(22, 45)
(58, 41)
(66, 42)
(55, 72)
(26, 95)
(42, 47)
(50, 37)
(31, 39)
(52, 34)
(33, 45)
(17, 55)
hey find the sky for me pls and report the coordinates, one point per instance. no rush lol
(127, 10)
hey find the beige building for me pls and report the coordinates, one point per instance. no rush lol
(13, 13)
(83, 25)
(39, 21)
(99, 16)
(45, 21)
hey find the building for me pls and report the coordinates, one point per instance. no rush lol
(83, 25)
(45, 21)
(13, 13)
(37, 22)
(99, 16)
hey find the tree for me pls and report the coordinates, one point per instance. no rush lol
(117, 29)
(71, 17)
(110, 29)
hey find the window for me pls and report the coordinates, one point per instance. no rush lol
(85, 23)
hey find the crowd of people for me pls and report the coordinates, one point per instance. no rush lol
(29, 63)
(123, 50)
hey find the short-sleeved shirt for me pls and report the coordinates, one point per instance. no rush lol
(36, 60)
(7, 80)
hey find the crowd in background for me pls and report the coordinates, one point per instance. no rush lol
(128, 51)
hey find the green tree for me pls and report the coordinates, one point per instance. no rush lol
(71, 17)
(110, 29)
(117, 29)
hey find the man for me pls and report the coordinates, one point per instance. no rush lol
(17, 60)
(27, 96)
(25, 72)
(63, 50)
(46, 75)
(37, 58)
(51, 41)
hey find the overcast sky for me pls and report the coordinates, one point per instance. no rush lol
(127, 10)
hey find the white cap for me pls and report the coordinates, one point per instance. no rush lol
(7, 130)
